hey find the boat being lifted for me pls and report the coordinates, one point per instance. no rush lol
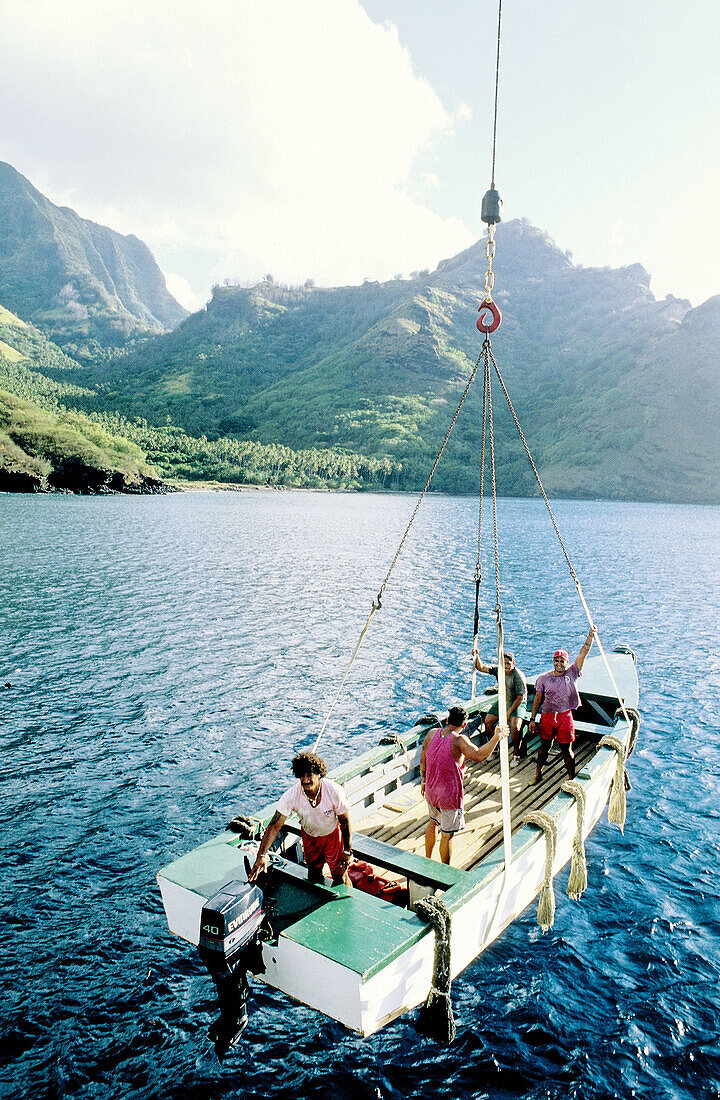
(352, 954)
(363, 960)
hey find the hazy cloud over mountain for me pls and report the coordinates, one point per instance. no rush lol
(233, 138)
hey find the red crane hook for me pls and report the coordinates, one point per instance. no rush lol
(496, 315)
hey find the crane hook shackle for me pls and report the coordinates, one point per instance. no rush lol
(496, 315)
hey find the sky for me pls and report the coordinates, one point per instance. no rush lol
(339, 140)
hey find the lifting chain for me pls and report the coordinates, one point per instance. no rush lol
(486, 327)
(490, 253)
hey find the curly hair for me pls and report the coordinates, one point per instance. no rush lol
(307, 763)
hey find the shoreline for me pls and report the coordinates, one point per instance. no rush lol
(164, 488)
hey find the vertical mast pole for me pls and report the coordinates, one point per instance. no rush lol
(503, 728)
(504, 753)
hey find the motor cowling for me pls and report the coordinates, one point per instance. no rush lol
(229, 921)
(230, 945)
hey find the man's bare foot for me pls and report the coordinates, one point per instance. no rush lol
(535, 780)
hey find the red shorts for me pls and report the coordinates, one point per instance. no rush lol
(319, 850)
(558, 724)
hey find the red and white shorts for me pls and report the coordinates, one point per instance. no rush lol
(319, 850)
(558, 724)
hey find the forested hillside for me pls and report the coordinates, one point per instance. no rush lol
(46, 443)
(592, 361)
(356, 386)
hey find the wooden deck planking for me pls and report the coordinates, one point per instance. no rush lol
(483, 807)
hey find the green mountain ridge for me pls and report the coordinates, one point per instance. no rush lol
(48, 443)
(91, 289)
(591, 359)
(356, 386)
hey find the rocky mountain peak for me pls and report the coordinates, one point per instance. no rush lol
(80, 282)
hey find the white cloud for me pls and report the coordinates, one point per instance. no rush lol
(183, 293)
(235, 138)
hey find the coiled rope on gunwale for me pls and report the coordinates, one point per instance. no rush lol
(577, 882)
(435, 1018)
(546, 904)
(617, 807)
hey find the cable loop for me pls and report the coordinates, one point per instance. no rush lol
(487, 352)
(486, 371)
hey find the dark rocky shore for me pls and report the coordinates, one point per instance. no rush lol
(74, 476)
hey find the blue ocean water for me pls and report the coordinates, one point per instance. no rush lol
(165, 657)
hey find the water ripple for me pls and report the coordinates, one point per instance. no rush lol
(167, 656)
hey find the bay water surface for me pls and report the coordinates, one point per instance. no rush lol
(162, 660)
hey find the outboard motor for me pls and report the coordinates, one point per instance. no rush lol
(230, 946)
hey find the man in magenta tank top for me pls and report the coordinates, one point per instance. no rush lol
(442, 763)
(556, 697)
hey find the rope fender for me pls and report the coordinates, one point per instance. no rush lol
(577, 882)
(617, 808)
(435, 1018)
(634, 716)
(546, 904)
(396, 739)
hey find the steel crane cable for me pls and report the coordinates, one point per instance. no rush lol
(497, 83)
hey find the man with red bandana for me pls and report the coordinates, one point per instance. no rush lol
(556, 697)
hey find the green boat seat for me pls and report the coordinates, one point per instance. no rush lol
(426, 872)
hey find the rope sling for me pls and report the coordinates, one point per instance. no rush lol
(377, 602)
(435, 1019)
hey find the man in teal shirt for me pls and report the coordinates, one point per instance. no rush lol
(515, 695)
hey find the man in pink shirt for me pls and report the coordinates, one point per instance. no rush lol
(324, 812)
(556, 697)
(442, 762)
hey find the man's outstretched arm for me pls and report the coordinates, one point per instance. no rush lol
(580, 659)
(481, 754)
(266, 843)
